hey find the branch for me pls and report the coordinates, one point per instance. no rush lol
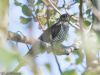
(19, 38)
(81, 15)
(54, 6)
(58, 49)
(3, 22)
(36, 45)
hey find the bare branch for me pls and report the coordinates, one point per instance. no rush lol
(19, 38)
(75, 26)
(54, 7)
(59, 50)
(81, 15)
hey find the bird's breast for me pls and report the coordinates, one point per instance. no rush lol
(62, 33)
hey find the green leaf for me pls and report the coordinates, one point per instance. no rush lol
(17, 3)
(70, 72)
(87, 23)
(42, 20)
(79, 60)
(48, 67)
(68, 59)
(25, 20)
(26, 10)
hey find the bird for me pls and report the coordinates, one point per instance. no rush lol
(57, 32)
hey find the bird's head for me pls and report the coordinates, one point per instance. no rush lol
(64, 17)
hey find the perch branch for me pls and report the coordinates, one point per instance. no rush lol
(63, 50)
(19, 38)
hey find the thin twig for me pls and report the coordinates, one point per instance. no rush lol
(24, 38)
(73, 25)
(81, 15)
(89, 28)
(68, 5)
(54, 7)
(58, 64)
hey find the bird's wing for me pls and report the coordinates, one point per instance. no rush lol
(50, 33)
(55, 30)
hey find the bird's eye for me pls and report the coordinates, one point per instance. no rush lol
(63, 17)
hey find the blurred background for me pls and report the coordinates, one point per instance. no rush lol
(29, 18)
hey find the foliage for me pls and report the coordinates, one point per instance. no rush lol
(25, 20)
(17, 3)
(40, 12)
(48, 67)
(26, 11)
(80, 58)
(69, 72)
(44, 13)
